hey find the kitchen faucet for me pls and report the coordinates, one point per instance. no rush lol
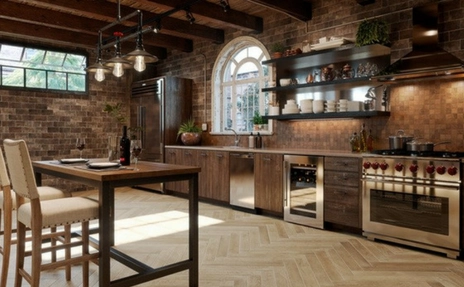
(237, 137)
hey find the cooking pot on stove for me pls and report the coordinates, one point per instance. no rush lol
(399, 141)
(416, 145)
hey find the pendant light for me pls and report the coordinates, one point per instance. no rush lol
(117, 62)
(98, 68)
(139, 56)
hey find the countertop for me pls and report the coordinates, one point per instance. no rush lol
(290, 151)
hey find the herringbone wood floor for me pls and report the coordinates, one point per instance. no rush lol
(242, 249)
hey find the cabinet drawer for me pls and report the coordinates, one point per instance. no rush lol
(342, 164)
(340, 213)
(341, 178)
(342, 194)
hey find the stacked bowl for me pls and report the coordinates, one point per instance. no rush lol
(290, 108)
(343, 105)
(306, 106)
(330, 106)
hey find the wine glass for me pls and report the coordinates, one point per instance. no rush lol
(80, 145)
(136, 149)
(112, 147)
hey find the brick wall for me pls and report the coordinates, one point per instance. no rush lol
(432, 109)
(50, 122)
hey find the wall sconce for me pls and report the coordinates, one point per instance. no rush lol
(225, 5)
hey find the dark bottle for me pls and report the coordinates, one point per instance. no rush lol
(258, 141)
(124, 148)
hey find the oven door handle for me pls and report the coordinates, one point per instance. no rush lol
(445, 185)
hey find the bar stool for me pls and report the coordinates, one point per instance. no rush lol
(38, 215)
(7, 205)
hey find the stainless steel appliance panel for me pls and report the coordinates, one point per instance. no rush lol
(242, 180)
(304, 193)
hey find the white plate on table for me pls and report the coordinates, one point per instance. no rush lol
(101, 165)
(73, 160)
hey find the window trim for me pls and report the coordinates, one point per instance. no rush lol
(224, 57)
(75, 51)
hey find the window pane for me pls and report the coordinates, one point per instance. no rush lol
(56, 81)
(247, 71)
(54, 58)
(13, 77)
(34, 56)
(11, 53)
(36, 79)
(75, 63)
(76, 82)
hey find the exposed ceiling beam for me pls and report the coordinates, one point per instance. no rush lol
(80, 25)
(299, 9)
(215, 14)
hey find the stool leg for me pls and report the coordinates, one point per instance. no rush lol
(20, 252)
(7, 227)
(67, 251)
(85, 251)
(36, 259)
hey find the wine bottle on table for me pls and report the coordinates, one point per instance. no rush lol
(124, 148)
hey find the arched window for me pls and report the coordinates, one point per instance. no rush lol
(238, 77)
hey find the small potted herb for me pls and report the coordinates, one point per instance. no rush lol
(190, 134)
(277, 50)
(258, 121)
(373, 31)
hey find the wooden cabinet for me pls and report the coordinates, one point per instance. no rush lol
(269, 182)
(354, 88)
(342, 191)
(214, 176)
(213, 180)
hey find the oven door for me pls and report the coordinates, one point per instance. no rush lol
(409, 213)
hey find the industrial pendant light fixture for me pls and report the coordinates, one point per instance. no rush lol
(98, 68)
(117, 62)
(139, 56)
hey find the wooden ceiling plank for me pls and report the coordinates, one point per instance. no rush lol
(108, 10)
(216, 15)
(298, 9)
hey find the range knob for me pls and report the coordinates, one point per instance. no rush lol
(430, 169)
(399, 166)
(441, 169)
(413, 168)
(375, 165)
(366, 165)
(383, 166)
(452, 170)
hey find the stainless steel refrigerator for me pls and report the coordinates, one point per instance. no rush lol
(158, 107)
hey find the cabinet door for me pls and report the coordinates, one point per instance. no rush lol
(269, 182)
(342, 205)
(218, 176)
(173, 156)
(204, 185)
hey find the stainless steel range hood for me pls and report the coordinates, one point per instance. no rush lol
(426, 60)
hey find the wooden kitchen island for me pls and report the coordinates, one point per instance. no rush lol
(106, 181)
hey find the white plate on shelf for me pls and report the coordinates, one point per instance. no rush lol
(331, 44)
(73, 160)
(101, 165)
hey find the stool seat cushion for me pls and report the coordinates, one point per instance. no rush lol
(61, 211)
(45, 193)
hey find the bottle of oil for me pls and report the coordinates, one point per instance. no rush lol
(363, 138)
(370, 142)
(354, 142)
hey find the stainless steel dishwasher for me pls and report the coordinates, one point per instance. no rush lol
(242, 180)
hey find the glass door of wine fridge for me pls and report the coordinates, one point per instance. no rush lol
(303, 192)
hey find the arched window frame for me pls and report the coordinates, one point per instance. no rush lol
(225, 58)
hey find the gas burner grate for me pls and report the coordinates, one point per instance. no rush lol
(443, 154)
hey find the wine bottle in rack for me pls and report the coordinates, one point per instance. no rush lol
(124, 148)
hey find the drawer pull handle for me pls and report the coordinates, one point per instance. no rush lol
(267, 158)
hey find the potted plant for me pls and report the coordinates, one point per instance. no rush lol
(277, 50)
(373, 31)
(257, 121)
(190, 134)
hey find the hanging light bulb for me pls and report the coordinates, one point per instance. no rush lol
(139, 64)
(117, 63)
(100, 75)
(139, 56)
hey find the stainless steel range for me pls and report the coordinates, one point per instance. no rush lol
(413, 199)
